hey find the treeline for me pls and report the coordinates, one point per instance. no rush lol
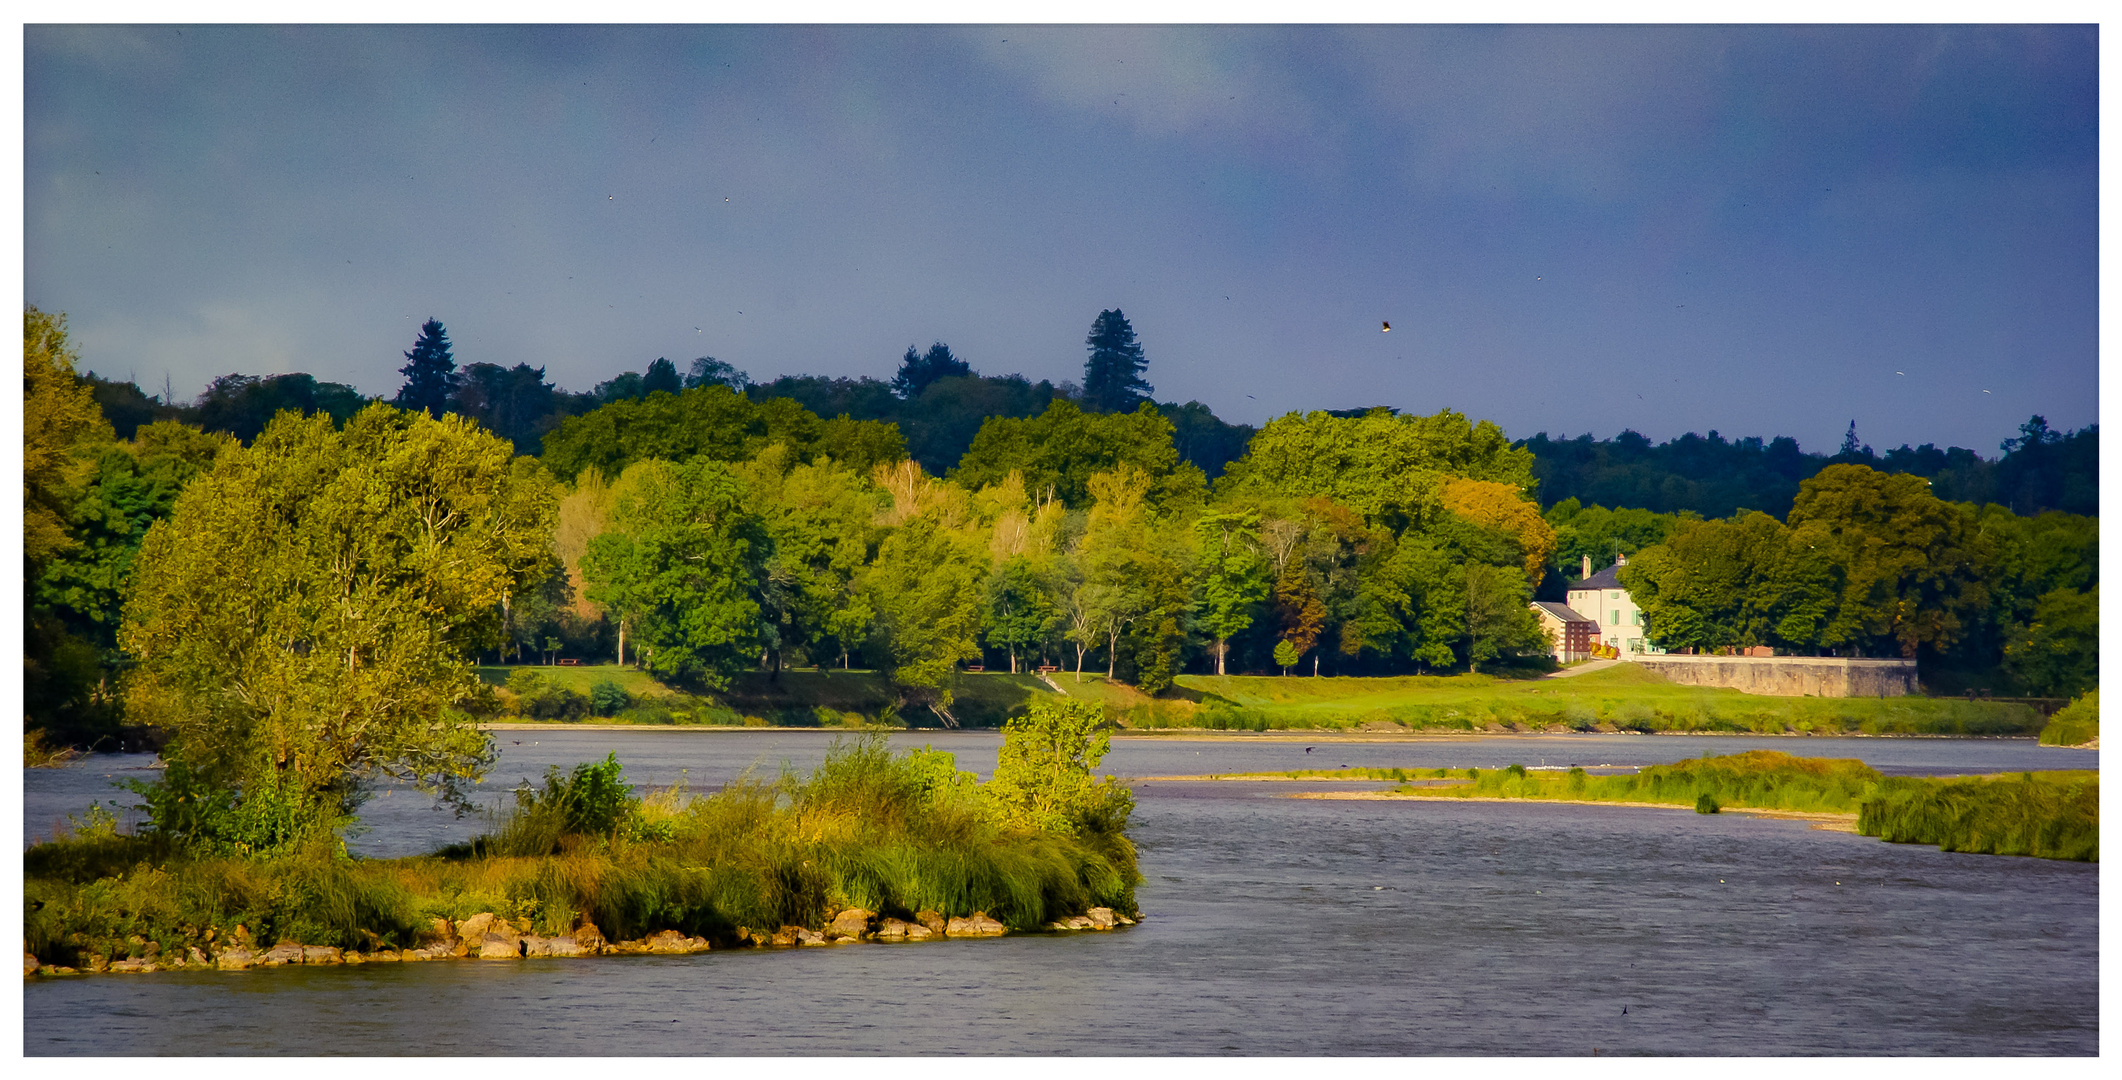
(704, 526)
(2040, 470)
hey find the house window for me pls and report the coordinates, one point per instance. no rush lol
(1614, 617)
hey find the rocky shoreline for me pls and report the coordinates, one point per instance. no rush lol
(487, 936)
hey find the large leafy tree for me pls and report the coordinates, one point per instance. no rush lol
(1043, 780)
(1499, 618)
(431, 377)
(2057, 653)
(917, 371)
(59, 414)
(1384, 466)
(1020, 613)
(1233, 576)
(681, 561)
(1112, 376)
(1059, 451)
(925, 585)
(515, 403)
(1910, 574)
(303, 621)
(821, 520)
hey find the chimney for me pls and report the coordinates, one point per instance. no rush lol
(1587, 568)
(1620, 560)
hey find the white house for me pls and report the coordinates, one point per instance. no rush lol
(1601, 598)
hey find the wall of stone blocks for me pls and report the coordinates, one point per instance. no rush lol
(1790, 676)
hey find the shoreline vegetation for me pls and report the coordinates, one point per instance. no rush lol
(871, 846)
(2050, 815)
(1612, 700)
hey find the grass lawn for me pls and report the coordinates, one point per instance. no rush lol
(580, 679)
(1620, 698)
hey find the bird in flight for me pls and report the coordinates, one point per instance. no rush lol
(1900, 372)
(1388, 328)
(1985, 391)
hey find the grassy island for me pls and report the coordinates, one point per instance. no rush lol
(2052, 815)
(871, 845)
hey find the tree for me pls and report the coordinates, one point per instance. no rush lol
(1383, 466)
(515, 403)
(2057, 654)
(1019, 611)
(661, 378)
(303, 622)
(681, 562)
(431, 377)
(1112, 377)
(1499, 618)
(925, 585)
(59, 413)
(712, 421)
(1287, 655)
(1501, 508)
(1062, 448)
(821, 519)
(917, 372)
(1233, 576)
(1043, 780)
(708, 371)
(1909, 577)
(1298, 609)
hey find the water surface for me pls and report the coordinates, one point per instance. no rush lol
(1275, 926)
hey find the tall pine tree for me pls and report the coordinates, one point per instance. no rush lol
(916, 371)
(431, 377)
(1112, 378)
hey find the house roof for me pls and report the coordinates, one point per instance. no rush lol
(1563, 612)
(1608, 578)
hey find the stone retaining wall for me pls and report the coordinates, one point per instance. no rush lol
(1790, 676)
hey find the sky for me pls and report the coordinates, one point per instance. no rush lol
(1756, 230)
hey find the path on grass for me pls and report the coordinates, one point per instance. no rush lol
(1580, 669)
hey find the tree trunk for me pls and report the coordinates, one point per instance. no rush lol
(1222, 649)
(622, 642)
(1080, 650)
(1315, 665)
(1112, 651)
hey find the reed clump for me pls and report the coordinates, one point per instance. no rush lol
(2049, 815)
(1761, 779)
(2075, 724)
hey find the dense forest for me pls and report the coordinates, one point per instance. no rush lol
(701, 524)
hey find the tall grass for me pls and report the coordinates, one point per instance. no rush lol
(2074, 724)
(2052, 815)
(896, 834)
(1762, 779)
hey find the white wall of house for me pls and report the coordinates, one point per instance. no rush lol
(1621, 622)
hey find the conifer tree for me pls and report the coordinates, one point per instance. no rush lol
(431, 376)
(918, 370)
(1112, 377)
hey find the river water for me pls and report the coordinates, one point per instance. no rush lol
(1274, 926)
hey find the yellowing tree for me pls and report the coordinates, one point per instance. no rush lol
(302, 622)
(58, 414)
(1503, 508)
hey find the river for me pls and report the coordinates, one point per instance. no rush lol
(1273, 926)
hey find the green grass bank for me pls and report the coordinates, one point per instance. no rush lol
(1622, 698)
(2075, 724)
(2050, 815)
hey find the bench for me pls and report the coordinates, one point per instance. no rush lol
(568, 663)
(1047, 669)
(976, 667)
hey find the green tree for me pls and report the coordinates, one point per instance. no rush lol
(303, 621)
(1287, 655)
(925, 587)
(1062, 448)
(1499, 618)
(2057, 654)
(59, 413)
(709, 421)
(1233, 576)
(821, 519)
(1112, 377)
(1601, 535)
(661, 378)
(1043, 779)
(1110, 556)
(681, 562)
(1909, 574)
(1383, 466)
(431, 377)
(1020, 613)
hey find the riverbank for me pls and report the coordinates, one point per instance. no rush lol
(2052, 815)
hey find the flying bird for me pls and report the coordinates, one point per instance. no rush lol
(1388, 328)
(1900, 372)
(1985, 391)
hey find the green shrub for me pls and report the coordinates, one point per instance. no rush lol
(607, 697)
(1706, 803)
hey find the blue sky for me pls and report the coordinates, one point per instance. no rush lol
(1762, 231)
